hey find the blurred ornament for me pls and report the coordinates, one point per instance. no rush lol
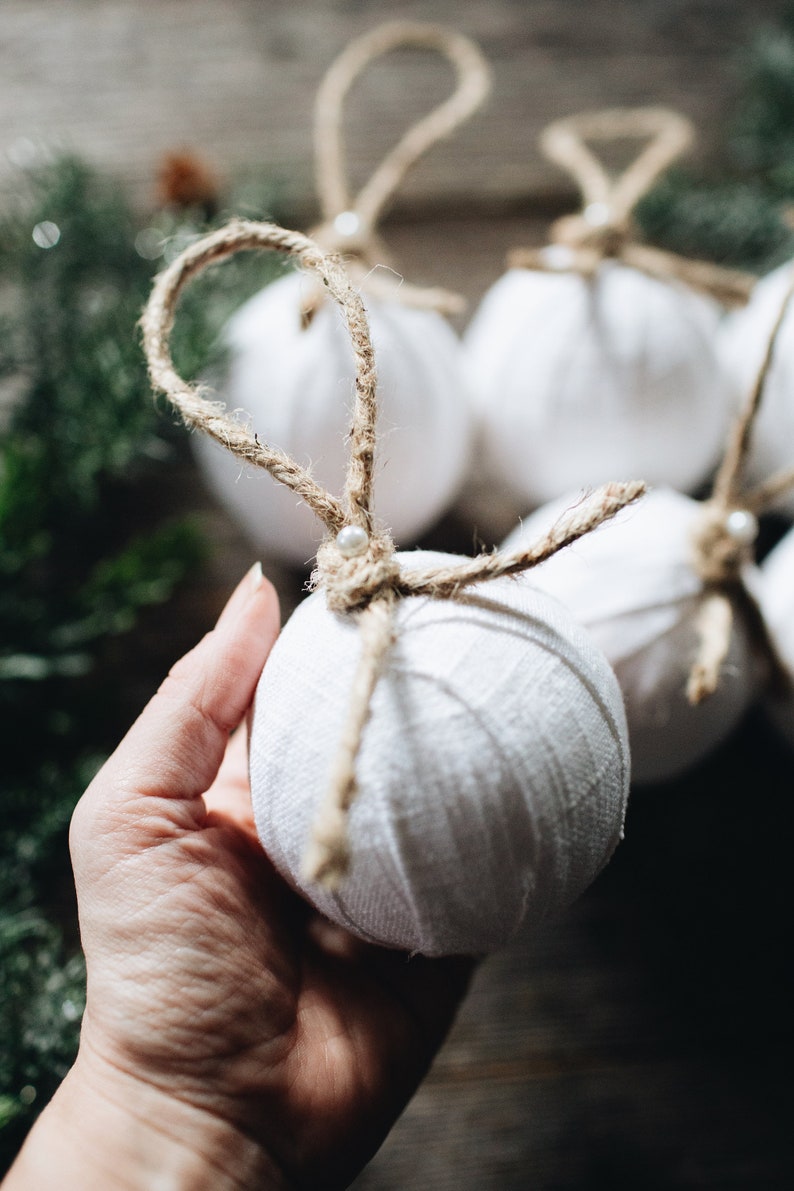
(595, 356)
(296, 385)
(673, 598)
(777, 603)
(290, 373)
(743, 341)
(636, 591)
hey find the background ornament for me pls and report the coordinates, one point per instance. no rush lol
(289, 369)
(595, 355)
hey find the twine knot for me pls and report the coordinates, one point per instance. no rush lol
(604, 228)
(350, 235)
(597, 229)
(354, 568)
(351, 238)
(723, 541)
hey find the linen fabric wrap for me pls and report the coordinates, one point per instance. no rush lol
(777, 605)
(580, 380)
(633, 585)
(493, 772)
(743, 342)
(294, 386)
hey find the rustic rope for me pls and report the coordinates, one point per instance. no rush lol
(729, 287)
(364, 579)
(667, 134)
(713, 625)
(473, 84)
(728, 480)
(327, 856)
(600, 505)
(604, 228)
(764, 495)
(349, 222)
(199, 413)
(723, 542)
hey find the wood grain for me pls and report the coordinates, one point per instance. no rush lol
(123, 82)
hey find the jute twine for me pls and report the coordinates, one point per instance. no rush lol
(723, 545)
(349, 222)
(367, 585)
(604, 229)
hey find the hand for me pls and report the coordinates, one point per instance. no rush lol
(231, 1038)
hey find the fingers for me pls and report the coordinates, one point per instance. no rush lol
(176, 746)
(230, 794)
(430, 990)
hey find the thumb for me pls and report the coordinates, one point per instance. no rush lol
(176, 746)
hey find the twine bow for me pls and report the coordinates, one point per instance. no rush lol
(356, 563)
(349, 222)
(604, 228)
(723, 545)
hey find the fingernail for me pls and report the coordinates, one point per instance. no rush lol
(255, 577)
(248, 585)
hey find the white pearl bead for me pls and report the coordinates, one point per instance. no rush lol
(742, 526)
(597, 214)
(557, 256)
(347, 223)
(352, 541)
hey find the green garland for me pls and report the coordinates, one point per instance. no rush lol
(761, 139)
(80, 438)
(734, 222)
(741, 218)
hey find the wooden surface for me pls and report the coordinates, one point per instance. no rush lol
(122, 81)
(643, 1042)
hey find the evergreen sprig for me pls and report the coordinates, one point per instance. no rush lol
(761, 139)
(741, 215)
(733, 222)
(80, 438)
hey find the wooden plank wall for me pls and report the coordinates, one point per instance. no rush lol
(644, 1042)
(123, 81)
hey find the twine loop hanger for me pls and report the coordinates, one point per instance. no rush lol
(356, 563)
(349, 222)
(605, 223)
(604, 228)
(723, 544)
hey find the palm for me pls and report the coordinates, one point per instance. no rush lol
(310, 1040)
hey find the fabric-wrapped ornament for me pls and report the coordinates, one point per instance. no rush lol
(438, 752)
(492, 772)
(671, 595)
(742, 343)
(636, 591)
(595, 356)
(777, 605)
(290, 373)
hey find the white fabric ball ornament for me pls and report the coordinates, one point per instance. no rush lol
(579, 379)
(295, 386)
(634, 587)
(777, 605)
(743, 343)
(492, 775)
